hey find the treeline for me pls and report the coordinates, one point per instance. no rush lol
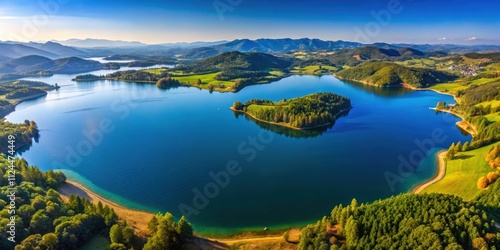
(24, 93)
(230, 74)
(480, 93)
(16, 90)
(493, 159)
(165, 233)
(356, 56)
(250, 61)
(305, 112)
(167, 82)
(23, 134)
(494, 57)
(136, 75)
(391, 74)
(44, 221)
(89, 77)
(409, 221)
(22, 88)
(488, 131)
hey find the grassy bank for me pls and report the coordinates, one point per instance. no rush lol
(462, 174)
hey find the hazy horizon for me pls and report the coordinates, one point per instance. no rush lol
(154, 22)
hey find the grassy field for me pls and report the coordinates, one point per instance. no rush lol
(462, 174)
(206, 81)
(493, 117)
(155, 71)
(493, 103)
(421, 63)
(314, 70)
(453, 87)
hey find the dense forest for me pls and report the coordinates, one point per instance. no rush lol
(353, 57)
(310, 111)
(12, 92)
(386, 74)
(39, 64)
(44, 221)
(494, 57)
(424, 221)
(235, 60)
(23, 133)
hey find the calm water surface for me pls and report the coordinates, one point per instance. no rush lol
(158, 147)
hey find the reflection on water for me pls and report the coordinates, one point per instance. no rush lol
(289, 132)
(390, 92)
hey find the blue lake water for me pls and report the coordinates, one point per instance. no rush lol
(154, 149)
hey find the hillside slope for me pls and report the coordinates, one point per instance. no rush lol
(386, 74)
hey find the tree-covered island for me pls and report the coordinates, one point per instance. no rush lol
(308, 112)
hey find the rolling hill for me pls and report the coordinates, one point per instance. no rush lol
(58, 49)
(270, 46)
(250, 61)
(10, 50)
(386, 74)
(356, 56)
(33, 64)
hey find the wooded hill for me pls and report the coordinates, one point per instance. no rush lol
(386, 74)
(251, 61)
(353, 57)
(34, 64)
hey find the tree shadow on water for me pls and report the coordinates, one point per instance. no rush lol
(289, 132)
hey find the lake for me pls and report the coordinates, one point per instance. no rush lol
(157, 150)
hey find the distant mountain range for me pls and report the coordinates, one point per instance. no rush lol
(305, 44)
(99, 47)
(34, 64)
(103, 43)
(270, 46)
(11, 50)
(97, 43)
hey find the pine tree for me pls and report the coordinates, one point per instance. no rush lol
(116, 234)
(466, 146)
(451, 152)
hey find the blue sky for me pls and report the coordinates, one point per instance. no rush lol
(161, 21)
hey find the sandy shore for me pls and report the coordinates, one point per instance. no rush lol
(136, 219)
(139, 220)
(439, 176)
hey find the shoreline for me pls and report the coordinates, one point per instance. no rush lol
(136, 219)
(463, 124)
(441, 157)
(15, 102)
(288, 126)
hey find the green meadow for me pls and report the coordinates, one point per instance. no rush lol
(462, 174)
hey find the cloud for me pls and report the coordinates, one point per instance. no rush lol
(442, 38)
(473, 38)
